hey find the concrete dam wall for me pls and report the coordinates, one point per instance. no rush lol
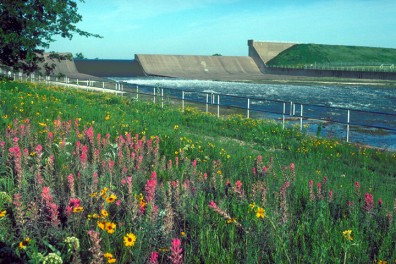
(252, 67)
(200, 67)
(109, 68)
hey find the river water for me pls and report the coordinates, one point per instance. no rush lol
(319, 101)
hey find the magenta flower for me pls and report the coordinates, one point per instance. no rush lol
(369, 202)
(154, 258)
(176, 252)
(213, 205)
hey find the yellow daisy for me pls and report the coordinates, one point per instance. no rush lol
(110, 227)
(260, 212)
(129, 240)
(111, 198)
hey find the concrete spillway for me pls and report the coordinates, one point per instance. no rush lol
(200, 67)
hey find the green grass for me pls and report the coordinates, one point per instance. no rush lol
(208, 189)
(335, 55)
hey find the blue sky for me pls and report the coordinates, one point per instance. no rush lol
(206, 27)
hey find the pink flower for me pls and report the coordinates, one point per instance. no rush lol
(154, 258)
(265, 169)
(39, 148)
(212, 204)
(238, 185)
(150, 188)
(292, 166)
(380, 201)
(310, 183)
(176, 252)
(369, 202)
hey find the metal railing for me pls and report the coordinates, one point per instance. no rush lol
(252, 107)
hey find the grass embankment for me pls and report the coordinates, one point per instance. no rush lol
(95, 178)
(335, 55)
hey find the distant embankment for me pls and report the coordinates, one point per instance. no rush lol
(200, 67)
(109, 68)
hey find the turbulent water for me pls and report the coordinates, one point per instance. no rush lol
(353, 97)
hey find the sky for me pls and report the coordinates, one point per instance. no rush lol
(207, 27)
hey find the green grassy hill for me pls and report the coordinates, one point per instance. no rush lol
(334, 55)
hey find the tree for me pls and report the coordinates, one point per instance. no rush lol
(29, 26)
(79, 56)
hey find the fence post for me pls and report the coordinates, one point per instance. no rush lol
(218, 105)
(162, 97)
(183, 101)
(301, 117)
(137, 93)
(291, 108)
(207, 102)
(248, 108)
(348, 120)
(154, 95)
(283, 115)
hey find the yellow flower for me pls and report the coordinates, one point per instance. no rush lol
(382, 262)
(176, 127)
(347, 234)
(107, 117)
(78, 209)
(111, 198)
(252, 205)
(104, 213)
(129, 240)
(102, 224)
(3, 213)
(110, 227)
(103, 192)
(260, 212)
(23, 244)
(110, 257)
(231, 220)
(111, 260)
(183, 234)
(93, 195)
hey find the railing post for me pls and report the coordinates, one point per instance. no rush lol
(183, 101)
(207, 102)
(154, 94)
(248, 108)
(291, 108)
(283, 115)
(301, 117)
(348, 120)
(137, 93)
(218, 105)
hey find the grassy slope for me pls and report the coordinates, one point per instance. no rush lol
(334, 54)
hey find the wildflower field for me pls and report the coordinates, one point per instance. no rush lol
(98, 178)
